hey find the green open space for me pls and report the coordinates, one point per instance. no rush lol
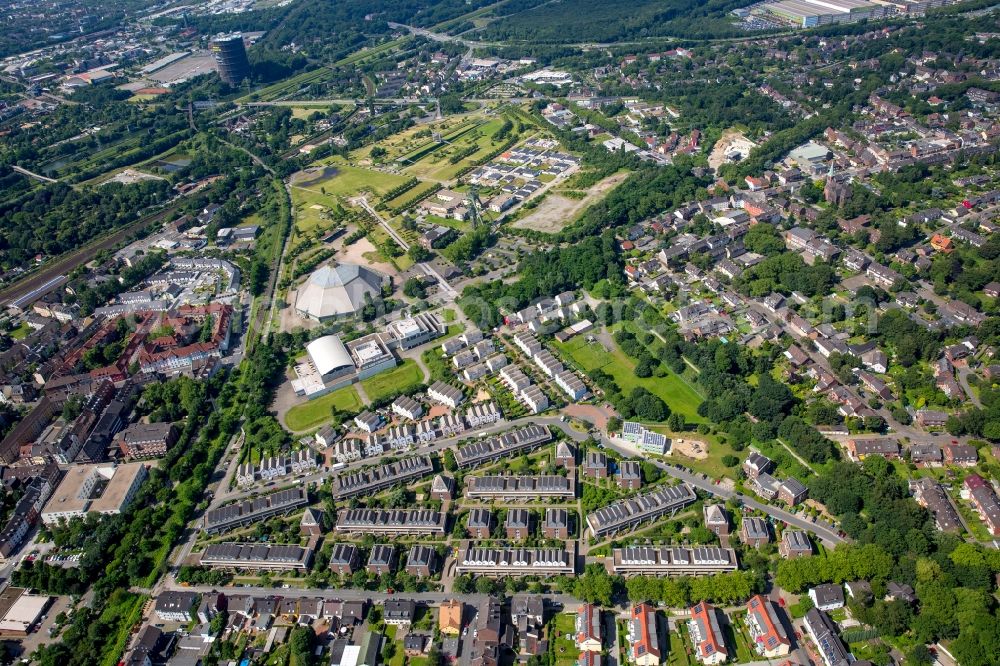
(672, 388)
(21, 332)
(315, 412)
(398, 380)
(566, 653)
(349, 180)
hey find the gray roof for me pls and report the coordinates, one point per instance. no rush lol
(337, 290)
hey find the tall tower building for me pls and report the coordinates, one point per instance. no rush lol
(231, 56)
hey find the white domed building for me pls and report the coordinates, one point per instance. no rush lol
(334, 291)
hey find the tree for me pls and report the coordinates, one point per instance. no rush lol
(414, 288)
(448, 461)
(596, 585)
(676, 422)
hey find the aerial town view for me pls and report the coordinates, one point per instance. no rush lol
(500, 332)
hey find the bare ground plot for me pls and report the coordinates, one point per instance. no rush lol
(731, 141)
(556, 211)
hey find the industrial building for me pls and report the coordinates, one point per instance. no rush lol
(811, 13)
(231, 58)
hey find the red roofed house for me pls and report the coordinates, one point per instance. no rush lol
(976, 489)
(644, 637)
(707, 635)
(588, 628)
(942, 243)
(766, 629)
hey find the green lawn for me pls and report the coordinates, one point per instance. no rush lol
(349, 180)
(677, 654)
(673, 389)
(565, 650)
(398, 380)
(21, 332)
(314, 413)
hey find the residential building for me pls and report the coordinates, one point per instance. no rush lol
(716, 519)
(706, 634)
(589, 628)
(479, 524)
(629, 513)
(256, 556)
(792, 491)
(176, 606)
(555, 525)
(450, 617)
(963, 455)
(421, 561)
(344, 559)
(247, 512)
(520, 488)
(382, 559)
(399, 612)
(754, 531)
(794, 543)
(629, 475)
(672, 560)
(644, 636)
(502, 562)
(503, 445)
(595, 465)
(141, 441)
(930, 495)
(980, 492)
(518, 524)
(446, 394)
(391, 521)
(766, 628)
(827, 597)
(369, 481)
(823, 632)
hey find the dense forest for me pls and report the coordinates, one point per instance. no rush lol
(58, 218)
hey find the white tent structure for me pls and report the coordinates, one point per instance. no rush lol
(329, 355)
(337, 291)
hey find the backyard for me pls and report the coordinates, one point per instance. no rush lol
(564, 650)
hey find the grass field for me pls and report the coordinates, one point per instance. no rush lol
(673, 389)
(349, 180)
(398, 380)
(316, 412)
(565, 650)
(21, 332)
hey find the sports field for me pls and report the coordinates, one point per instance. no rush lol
(316, 412)
(673, 389)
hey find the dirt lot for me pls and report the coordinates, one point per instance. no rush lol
(691, 448)
(556, 211)
(731, 140)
